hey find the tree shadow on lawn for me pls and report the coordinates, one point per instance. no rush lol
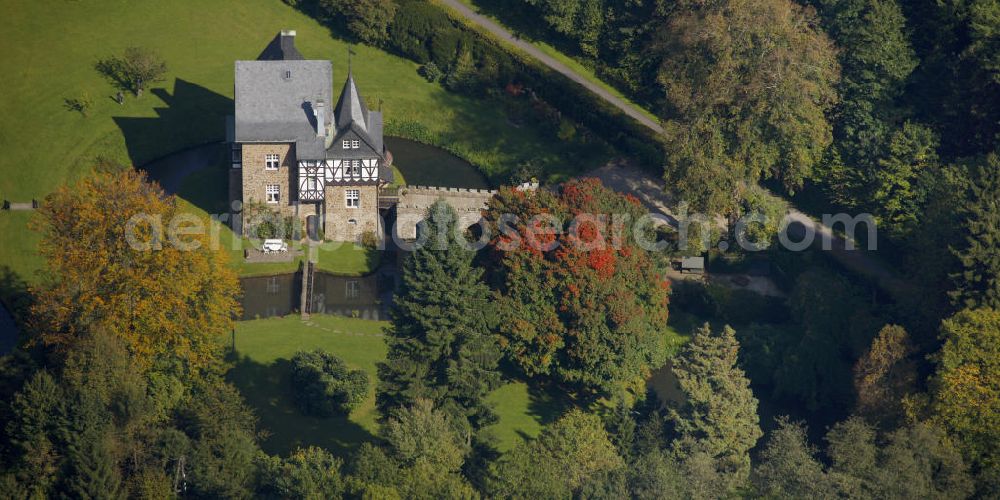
(548, 402)
(193, 115)
(268, 390)
(16, 300)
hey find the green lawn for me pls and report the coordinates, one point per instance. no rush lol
(50, 52)
(261, 371)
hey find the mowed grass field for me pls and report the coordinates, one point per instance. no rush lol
(49, 55)
(261, 370)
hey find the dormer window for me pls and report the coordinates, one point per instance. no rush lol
(272, 161)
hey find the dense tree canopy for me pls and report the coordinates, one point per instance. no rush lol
(441, 345)
(748, 84)
(978, 283)
(579, 301)
(966, 388)
(572, 451)
(120, 262)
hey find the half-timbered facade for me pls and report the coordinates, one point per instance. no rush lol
(300, 156)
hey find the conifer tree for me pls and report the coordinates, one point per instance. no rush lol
(441, 346)
(719, 414)
(978, 284)
(788, 467)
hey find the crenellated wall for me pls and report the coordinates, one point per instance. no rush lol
(415, 200)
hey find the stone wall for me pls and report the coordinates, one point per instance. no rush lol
(338, 215)
(415, 200)
(256, 177)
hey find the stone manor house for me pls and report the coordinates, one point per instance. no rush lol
(326, 165)
(298, 153)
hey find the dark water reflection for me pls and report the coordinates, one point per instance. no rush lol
(365, 297)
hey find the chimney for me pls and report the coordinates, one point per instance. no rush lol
(287, 34)
(319, 110)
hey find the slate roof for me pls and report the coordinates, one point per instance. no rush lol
(275, 102)
(276, 96)
(281, 48)
(352, 115)
(354, 121)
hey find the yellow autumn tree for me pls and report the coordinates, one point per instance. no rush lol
(966, 389)
(120, 260)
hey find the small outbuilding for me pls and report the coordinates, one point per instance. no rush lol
(694, 265)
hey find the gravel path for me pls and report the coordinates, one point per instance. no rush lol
(501, 32)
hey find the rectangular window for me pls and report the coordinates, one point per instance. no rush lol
(273, 193)
(356, 168)
(353, 198)
(272, 161)
(352, 289)
(347, 144)
(311, 184)
(355, 144)
(237, 156)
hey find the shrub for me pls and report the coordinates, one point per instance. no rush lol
(431, 72)
(324, 386)
(369, 240)
(263, 222)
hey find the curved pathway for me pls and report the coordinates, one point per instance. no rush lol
(501, 32)
(625, 178)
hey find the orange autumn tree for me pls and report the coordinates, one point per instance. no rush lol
(586, 306)
(165, 294)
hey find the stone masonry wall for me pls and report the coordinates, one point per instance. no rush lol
(256, 177)
(337, 225)
(415, 200)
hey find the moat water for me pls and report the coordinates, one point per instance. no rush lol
(364, 297)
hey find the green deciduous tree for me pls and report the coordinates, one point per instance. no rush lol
(836, 326)
(134, 70)
(564, 457)
(324, 386)
(441, 346)
(310, 473)
(368, 20)
(879, 152)
(580, 300)
(425, 449)
(789, 468)
(966, 388)
(718, 416)
(748, 84)
(915, 461)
